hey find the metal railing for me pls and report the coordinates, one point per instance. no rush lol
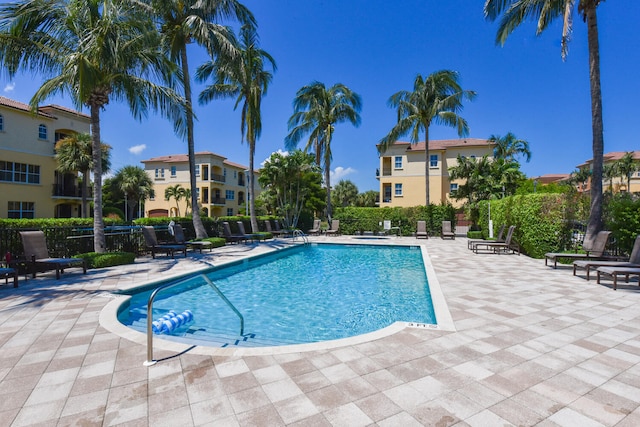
(150, 361)
(298, 233)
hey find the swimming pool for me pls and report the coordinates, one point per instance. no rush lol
(301, 295)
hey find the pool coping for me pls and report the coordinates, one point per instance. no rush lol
(108, 318)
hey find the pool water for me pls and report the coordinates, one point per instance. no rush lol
(307, 294)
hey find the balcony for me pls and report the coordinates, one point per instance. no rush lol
(68, 191)
(218, 201)
(241, 182)
(218, 178)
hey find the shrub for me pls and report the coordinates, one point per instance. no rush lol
(622, 217)
(110, 259)
(216, 241)
(474, 234)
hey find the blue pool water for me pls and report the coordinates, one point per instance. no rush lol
(307, 294)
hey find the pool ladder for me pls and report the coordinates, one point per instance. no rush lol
(150, 361)
(298, 233)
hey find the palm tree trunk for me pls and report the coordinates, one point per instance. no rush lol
(99, 241)
(426, 164)
(595, 217)
(327, 170)
(85, 191)
(201, 233)
(252, 201)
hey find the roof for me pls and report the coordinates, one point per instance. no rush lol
(184, 158)
(443, 144)
(612, 157)
(552, 177)
(44, 110)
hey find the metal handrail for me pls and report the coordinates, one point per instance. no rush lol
(298, 233)
(150, 361)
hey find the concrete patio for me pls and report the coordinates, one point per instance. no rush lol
(531, 346)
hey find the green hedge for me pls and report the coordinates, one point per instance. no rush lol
(622, 217)
(96, 260)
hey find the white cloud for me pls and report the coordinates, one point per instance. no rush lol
(137, 149)
(9, 87)
(281, 152)
(340, 173)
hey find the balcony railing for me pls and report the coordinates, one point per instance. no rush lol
(241, 182)
(67, 191)
(218, 201)
(218, 178)
(386, 171)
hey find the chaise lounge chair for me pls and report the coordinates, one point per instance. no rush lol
(499, 238)
(151, 242)
(614, 272)
(633, 261)
(9, 272)
(315, 230)
(593, 252)
(335, 228)
(499, 247)
(178, 235)
(447, 232)
(421, 230)
(249, 236)
(230, 237)
(36, 255)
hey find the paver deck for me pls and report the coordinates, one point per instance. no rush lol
(531, 346)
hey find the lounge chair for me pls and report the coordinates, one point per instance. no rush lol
(595, 251)
(231, 237)
(499, 247)
(280, 230)
(249, 236)
(447, 232)
(36, 255)
(421, 230)
(614, 272)
(499, 238)
(178, 235)
(151, 242)
(315, 229)
(335, 228)
(9, 272)
(274, 233)
(633, 261)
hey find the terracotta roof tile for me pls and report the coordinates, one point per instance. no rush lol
(612, 157)
(7, 102)
(443, 144)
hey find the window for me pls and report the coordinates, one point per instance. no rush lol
(453, 188)
(19, 172)
(235, 174)
(229, 211)
(224, 172)
(152, 195)
(197, 170)
(433, 161)
(18, 210)
(1, 123)
(159, 173)
(398, 162)
(42, 132)
(398, 190)
(230, 195)
(174, 171)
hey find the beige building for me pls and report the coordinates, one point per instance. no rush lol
(402, 169)
(617, 184)
(30, 186)
(222, 184)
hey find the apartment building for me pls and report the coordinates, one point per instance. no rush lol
(30, 186)
(616, 184)
(222, 185)
(402, 169)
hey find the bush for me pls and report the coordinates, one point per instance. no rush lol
(216, 241)
(622, 217)
(110, 259)
(474, 234)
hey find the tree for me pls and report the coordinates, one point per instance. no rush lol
(580, 177)
(609, 172)
(94, 51)
(316, 112)
(436, 99)
(289, 181)
(509, 147)
(136, 185)
(626, 167)
(368, 199)
(75, 154)
(176, 192)
(246, 80)
(514, 12)
(195, 21)
(345, 194)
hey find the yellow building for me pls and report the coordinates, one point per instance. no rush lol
(222, 185)
(402, 169)
(617, 184)
(30, 186)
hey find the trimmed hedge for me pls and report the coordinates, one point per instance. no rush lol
(110, 259)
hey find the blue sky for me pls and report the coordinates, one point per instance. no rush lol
(377, 47)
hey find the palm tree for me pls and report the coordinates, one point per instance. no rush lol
(579, 177)
(436, 99)
(609, 172)
(74, 154)
(626, 167)
(246, 80)
(136, 185)
(194, 21)
(95, 51)
(316, 111)
(176, 192)
(345, 194)
(514, 12)
(509, 146)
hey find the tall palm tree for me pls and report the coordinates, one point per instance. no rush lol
(609, 172)
(136, 185)
(513, 13)
(435, 99)
(195, 21)
(246, 80)
(176, 192)
(509, 146)
(94, 51)
(317, 110)
(626, 167)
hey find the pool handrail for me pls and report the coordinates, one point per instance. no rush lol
(298, 233)
(150, 361)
